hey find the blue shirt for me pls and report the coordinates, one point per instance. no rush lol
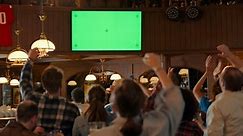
(204, 104)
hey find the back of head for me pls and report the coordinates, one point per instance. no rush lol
(51, 79)
(231, 79)
(129, 101)
(96, 110)
(78, 95)
(191, 105)
(26, 110)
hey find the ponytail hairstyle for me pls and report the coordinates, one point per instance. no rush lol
(130, 101)
(96, 111)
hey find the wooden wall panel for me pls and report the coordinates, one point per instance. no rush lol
(218, 24)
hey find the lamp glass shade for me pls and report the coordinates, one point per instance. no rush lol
(90, 77)
(72, 83)
(154, 80)
(115, 77)
(44, 46)
(3, 80)
(14, 82)
(143, 80)
(18, 56)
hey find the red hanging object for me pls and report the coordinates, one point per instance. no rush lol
(6, 22)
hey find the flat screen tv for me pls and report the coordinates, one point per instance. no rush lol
(101, 31)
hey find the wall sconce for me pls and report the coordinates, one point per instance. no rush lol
(43, 44)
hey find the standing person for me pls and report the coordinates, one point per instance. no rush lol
(224, 116)
(129, 101)
(25, 123)
(54, 111)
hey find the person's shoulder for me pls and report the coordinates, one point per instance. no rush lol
(106, 131)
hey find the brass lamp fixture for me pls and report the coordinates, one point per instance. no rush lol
(43, 44)
(7, 79)
(17, 56)
(102, 76)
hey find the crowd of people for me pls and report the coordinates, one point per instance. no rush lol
(168, 111)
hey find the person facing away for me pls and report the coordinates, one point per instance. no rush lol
(77, 95)
(54, 111)
(25, 123)
(129, 101)
(224, 116)
(188, 126)
(95, 114)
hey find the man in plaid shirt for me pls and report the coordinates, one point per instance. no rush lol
(54, 112)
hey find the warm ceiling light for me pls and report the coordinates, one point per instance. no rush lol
(143, 80)
(183, 71)
(72, 83)
(3, 80)
(43, 44)
(17, 55)
(154, 80)
(90, 77)
(115, 77)
(14, 82)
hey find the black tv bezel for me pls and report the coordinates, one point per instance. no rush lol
(101, 52)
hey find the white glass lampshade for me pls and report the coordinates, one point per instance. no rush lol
(183, 71)
(90, 77)
(72, 83)
(143, 80)
(3, 80)
(154, 80)
(14, 82)
(44, 46)
(18, 56)
(115, 77)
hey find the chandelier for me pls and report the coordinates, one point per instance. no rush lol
(102, 76)
(8, 80)
(43, 44)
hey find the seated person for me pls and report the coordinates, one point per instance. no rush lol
(77, 95)
(25, 123)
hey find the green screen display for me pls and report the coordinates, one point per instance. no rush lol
(106, 30)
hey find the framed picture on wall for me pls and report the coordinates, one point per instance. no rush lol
(16, 96)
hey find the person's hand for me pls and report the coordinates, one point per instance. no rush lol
(170, 72)
(152, 60)
(211, 63)
(39, 130)
(224, 49)
(33, 54)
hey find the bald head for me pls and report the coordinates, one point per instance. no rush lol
(26, 110)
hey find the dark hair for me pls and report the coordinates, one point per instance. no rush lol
(130, 100)
(232, 79)
(96, 111)
(191, 105)
(78, 95)
(26, 110)
(51, 79)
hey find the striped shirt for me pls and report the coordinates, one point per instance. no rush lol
(54, 113)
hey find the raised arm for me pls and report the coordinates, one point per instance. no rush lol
(169, 103)
(26, 84)
(226, 53)
(153, 61)
(210, 65)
